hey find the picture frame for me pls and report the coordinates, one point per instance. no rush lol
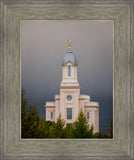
(121, 146)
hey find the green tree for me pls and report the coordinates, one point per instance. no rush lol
(56, 129)
(68, 131)
(80, 127)
(90, 132)
(29, 118)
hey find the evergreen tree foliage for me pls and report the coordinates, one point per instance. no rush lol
(57, 128)
(81, 129)
(68, 131)
(29, 118)
(90, 132)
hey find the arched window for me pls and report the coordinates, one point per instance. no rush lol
(69, 71)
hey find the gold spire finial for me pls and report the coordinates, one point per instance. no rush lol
(69, 44)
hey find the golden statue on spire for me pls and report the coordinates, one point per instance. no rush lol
(69, 44)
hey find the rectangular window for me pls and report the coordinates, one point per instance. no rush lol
(69, 71)
(51, 115)
(69, 113)
(88, 126)
(87, 115)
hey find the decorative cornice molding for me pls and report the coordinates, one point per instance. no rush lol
(69, 87)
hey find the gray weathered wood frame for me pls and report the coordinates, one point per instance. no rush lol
(121, 146)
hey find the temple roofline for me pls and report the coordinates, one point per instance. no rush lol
(50, 104)
(92, 104)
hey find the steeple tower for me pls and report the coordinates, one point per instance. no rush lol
(69, 68)
(69, 87)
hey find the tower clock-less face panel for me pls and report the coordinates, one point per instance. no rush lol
(69, 98)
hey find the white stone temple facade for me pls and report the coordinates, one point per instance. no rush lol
(70, 102)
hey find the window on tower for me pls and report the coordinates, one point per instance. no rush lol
(87, 115)
(51, 115)
(69, 71)
(69, 113)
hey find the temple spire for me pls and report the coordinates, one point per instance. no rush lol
(69, 44)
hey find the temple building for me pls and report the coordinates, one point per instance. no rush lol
(70, 102)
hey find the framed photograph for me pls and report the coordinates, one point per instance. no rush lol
(67, 80)
(50, 65)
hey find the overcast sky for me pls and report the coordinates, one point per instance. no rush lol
(43, 47)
